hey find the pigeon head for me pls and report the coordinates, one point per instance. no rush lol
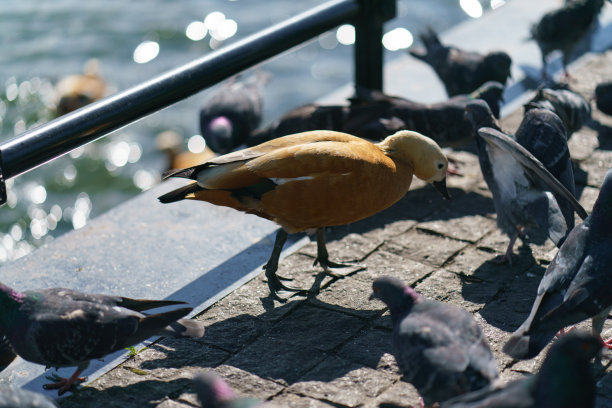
(492, 93)
(566, 379)
(479, 114)
(212, 391)
(498, 64)
(398, 296)
(218, 135)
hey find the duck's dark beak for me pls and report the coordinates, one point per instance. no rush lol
(441, 187)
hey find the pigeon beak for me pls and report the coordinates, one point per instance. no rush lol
(441, 187)
(373, 296)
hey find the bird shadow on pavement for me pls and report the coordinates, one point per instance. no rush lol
(604, 134)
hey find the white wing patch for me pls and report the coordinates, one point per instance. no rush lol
(507, 172)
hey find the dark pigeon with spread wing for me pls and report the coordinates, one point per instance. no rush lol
(61, 327)
(563, 28)
(565, 380)
(461, 71)
(439, 348)
(577, 284)
(573, 110)
(532, 199)
(228, 117)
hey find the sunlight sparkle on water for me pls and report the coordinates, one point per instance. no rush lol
(146, 52)
(497, 3)
(472, 8)
(196, 31)
(224, 30)
(213, 20)
(397, 39)
(196, 144)
(346, 34)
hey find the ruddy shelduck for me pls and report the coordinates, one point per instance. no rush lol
(312, 180)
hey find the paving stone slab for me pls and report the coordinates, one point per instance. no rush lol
(400, 394)
(276, 360)
(373, 349)
(316, 327)
(383, 263)
(423, 247)
(342, 382)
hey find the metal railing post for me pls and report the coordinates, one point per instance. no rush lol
(368, 42)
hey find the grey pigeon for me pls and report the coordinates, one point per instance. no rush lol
(374, 115)
(529, 200)
(573, 110)
(229, 116)
(439, 348)
(13, 397)
(565, 380)
(603, 97)
(61, 327)
(214, 392)
(461, 71)
(563, 28)
(575, 286)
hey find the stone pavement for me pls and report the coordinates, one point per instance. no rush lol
(332, 348)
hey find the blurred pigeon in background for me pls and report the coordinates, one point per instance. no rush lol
(374, 115)
(603, 97)
(214, 392)
(576, 284)
(529, 201)
(565, 380)
(563, 28)
(460, 71)
(439, 348)
(61, 328)
(573, 110)
(229, 116)
(13, 397)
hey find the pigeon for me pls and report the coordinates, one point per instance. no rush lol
(229, 116)
(573, 110)
(61, 327)
(439, 348)
(603, 97)
(563, 28)
(374, 115)
(575, 285)
(311, 180)
(532, 199)
(214, 392)
(461, 71)
(565, 380)
(13, 397)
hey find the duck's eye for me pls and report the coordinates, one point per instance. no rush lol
(440, 165)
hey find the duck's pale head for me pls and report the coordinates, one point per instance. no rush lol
(424, 155)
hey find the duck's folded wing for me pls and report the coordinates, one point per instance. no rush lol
(312, 159)
(532, 166)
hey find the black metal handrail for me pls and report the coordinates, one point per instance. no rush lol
(59, 136)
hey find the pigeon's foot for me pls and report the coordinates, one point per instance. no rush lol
(338, 270)
(453, 166)
(64, 384)
(607, 343)
(503, 259)
(565, 330)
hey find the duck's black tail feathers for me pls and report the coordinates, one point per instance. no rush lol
(179, 193)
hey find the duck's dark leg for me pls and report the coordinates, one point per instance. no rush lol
(271, 267)
(330, 267)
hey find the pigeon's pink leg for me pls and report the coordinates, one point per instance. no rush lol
(607, 343)
(507, 257)
(64, 384)
(564, 331)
